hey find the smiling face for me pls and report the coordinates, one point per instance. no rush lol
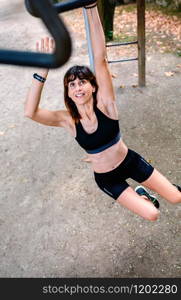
(80, 86)
(80, 90)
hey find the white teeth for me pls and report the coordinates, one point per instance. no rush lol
(79, 95)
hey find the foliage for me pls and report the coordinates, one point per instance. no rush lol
(172, 4)
(163, 31)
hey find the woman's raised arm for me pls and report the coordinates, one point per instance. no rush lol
(31, 109)
(102, 73)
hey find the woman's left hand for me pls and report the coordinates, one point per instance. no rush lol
(45, 45)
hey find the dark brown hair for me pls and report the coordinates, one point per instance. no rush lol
(82, 72)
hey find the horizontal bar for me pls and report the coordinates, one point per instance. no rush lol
(121, 44)
(122, 60)
(59, 7)
(57, 29)
(71, 4)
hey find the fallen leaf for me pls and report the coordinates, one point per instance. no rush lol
(23, 180)
(113, 75)
(168, 74)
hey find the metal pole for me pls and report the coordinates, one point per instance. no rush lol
(90, 52)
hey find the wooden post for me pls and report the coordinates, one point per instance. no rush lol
(141, 41)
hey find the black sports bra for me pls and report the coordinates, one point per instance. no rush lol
(106, 135)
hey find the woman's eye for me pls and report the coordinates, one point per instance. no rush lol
(83, 81)
(71, 84)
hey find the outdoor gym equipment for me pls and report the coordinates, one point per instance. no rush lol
(59, 7)
(141, 58)
(48, 12)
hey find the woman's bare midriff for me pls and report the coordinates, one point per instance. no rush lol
(109, 159)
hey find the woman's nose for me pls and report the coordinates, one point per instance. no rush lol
(78, 87)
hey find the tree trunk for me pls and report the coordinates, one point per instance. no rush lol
(106, 11)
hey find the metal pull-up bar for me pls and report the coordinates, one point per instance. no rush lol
(60, 34)
(48, 12)
(122, 44)
(59, 7)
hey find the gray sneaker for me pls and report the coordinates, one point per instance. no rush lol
(140, 190)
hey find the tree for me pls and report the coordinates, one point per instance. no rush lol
(106, 11)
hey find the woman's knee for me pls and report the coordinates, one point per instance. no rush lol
(152, 214)
(176, 199)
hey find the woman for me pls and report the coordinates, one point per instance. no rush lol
(92, 119)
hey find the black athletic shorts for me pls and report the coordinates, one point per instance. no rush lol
(134, 166)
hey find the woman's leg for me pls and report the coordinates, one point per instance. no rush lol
(137, 204)
(161, 185)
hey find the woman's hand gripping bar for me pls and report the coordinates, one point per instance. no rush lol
(63, 46)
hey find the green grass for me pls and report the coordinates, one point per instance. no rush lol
(128, 8)
(124, 38)
(178, 53)
(151, 6)
(165, 10)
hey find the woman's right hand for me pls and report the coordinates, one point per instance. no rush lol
(45, 45)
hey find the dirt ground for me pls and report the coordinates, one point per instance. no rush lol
(54, 221)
